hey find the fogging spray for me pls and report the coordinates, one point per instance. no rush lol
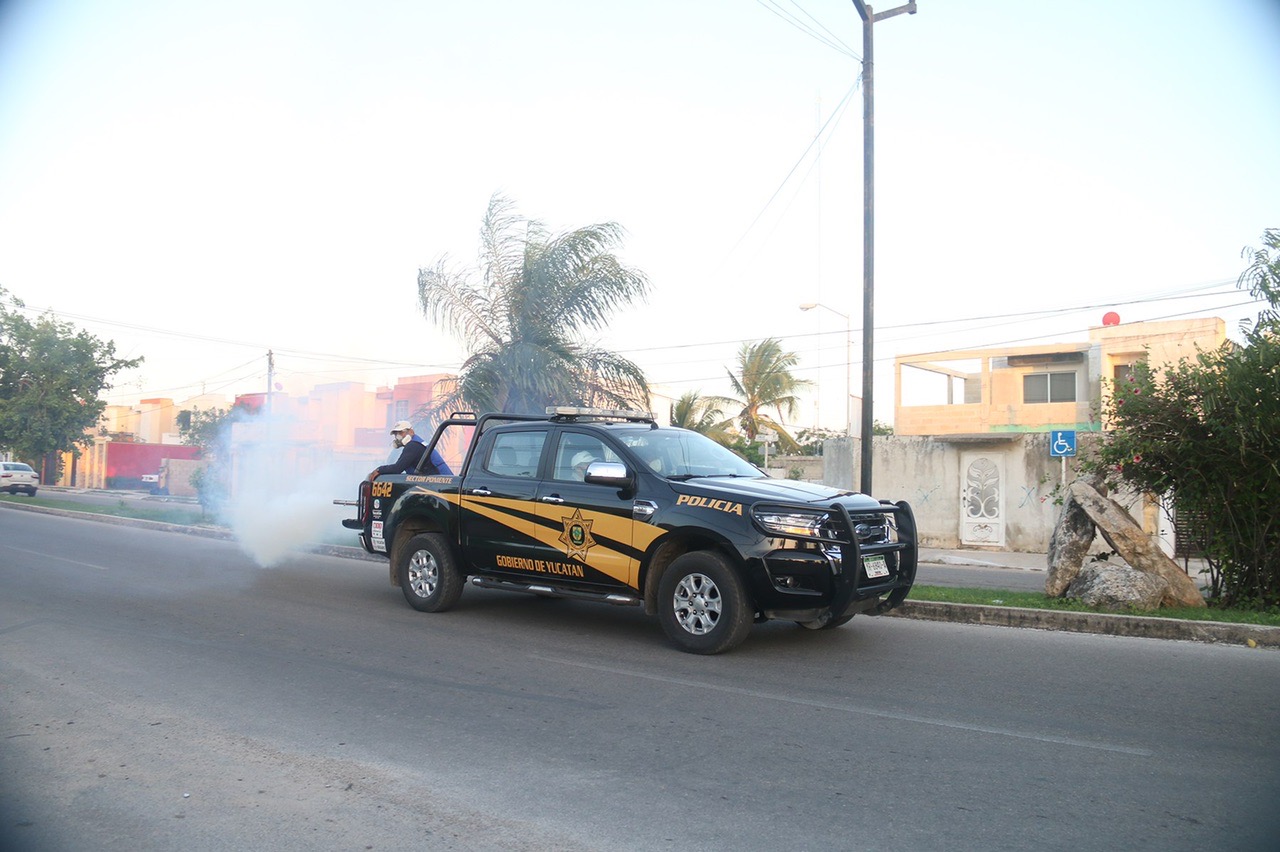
(280, 486)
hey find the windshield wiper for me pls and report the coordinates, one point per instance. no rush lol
(685, 477)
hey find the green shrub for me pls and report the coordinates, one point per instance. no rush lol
(1207, 433)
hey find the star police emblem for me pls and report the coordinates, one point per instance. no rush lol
(576, 537)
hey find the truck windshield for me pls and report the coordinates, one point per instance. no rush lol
(681, 454)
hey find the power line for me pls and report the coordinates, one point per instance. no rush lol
(987, 344)
(817, 137)
(1045, 313)
(830, 40)
(823, 26)
(184, 335)
(985, 322)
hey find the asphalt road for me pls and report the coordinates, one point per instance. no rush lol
(158, 691)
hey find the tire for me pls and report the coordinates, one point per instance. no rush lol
(428, 573)
(829, 624)
(702, 604)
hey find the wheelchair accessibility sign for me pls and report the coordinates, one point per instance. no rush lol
(1062, 443)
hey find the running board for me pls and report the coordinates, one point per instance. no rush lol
(555, 591)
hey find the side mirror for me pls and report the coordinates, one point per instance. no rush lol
(608, 473)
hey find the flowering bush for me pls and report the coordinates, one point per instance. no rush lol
(1207, 433)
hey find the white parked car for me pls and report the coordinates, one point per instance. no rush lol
(16, 476)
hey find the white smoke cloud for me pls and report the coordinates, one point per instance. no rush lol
(273, 520)
(281, 484)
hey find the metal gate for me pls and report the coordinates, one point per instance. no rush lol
(982, 490)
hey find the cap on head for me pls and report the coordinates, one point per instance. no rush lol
(583, 457)
(402, 426)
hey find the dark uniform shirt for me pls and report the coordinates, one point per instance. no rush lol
(410, 455)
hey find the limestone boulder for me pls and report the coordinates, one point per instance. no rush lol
(1117, 587)
(1072, 536)
(1127, 539)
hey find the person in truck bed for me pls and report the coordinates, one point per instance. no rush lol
(411, 450)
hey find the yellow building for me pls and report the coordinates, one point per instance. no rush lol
(1036, 388)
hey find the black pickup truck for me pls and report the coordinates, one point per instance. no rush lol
(611, 507)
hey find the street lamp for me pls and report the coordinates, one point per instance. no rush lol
(848, 362)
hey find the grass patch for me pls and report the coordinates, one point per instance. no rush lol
(169, 513)
(1035, 600)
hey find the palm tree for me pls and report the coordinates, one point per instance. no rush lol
(699, 413)
(521, 316)
(764, 381)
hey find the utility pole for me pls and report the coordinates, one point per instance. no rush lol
(271, 380)
(869, 18)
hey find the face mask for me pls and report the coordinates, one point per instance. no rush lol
(397, 440)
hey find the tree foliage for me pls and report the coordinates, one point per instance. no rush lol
(809, 441)
(764, 381)
(523, 314)
(1262, 280)
(1207, 432)
(700, 414)
(51, 376)
(210, 430)
(203, 428)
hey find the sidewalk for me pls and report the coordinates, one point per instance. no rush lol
(1014, 559)
(985, 558)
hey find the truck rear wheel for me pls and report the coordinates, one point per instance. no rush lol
(702, 604)
(429, 574)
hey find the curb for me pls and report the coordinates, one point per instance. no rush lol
(1110, 624)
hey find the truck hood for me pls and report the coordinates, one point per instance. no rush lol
(772, 490)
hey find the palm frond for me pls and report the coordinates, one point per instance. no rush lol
(764, 380)
(522, 322)
(447, 298)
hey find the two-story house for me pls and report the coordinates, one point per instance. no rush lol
(971, 448)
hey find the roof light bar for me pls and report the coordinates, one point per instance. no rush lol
(616, 413)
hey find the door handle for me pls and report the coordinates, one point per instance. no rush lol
(552, 498)
(480, 492)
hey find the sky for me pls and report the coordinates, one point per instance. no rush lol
(203, 183)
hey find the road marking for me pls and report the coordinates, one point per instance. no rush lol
(863, 711)
(61, 559)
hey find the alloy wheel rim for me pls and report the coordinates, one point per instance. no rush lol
(697, 604)
(424, 574)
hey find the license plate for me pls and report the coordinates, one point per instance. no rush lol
(875, 566)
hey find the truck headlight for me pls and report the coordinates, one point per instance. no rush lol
(806, 524)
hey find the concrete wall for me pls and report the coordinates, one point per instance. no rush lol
(806, 468)
(175, 476)
(926, 472)
(107, 464)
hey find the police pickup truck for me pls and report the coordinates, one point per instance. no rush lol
(609, 506)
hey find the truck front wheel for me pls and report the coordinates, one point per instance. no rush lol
(702, 604)
(428, 574)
